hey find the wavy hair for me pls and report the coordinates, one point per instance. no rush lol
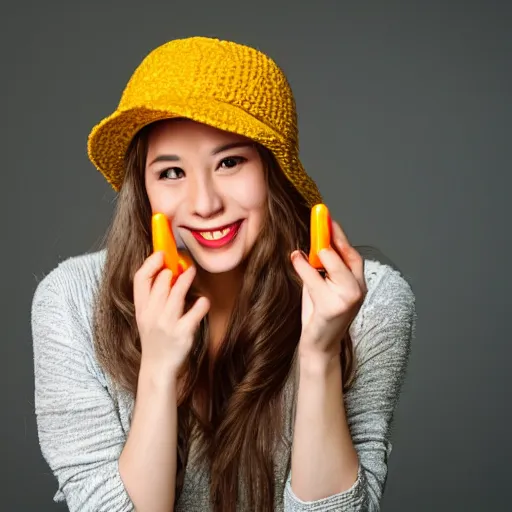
(244, 382)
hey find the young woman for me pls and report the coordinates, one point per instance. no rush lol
(254, 382)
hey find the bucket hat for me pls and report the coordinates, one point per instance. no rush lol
(223, 84)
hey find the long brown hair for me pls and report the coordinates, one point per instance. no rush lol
(250, 369)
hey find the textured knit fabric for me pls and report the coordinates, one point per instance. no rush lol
(83, 420)
(223, 84)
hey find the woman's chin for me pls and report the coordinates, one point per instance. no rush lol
(220, 265)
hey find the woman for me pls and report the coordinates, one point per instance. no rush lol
(252, 383)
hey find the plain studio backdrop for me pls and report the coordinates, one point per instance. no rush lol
(404, 112)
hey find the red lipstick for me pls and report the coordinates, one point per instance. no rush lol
(217, 238)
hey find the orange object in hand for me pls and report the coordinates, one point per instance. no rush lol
(163, 240)
(320, 231)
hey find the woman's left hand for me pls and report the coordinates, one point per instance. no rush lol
(330, 304)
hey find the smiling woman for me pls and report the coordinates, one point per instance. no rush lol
(212, 183)
(250, 382)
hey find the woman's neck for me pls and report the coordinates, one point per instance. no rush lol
(222, 291)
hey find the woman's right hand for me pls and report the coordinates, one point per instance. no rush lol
(166, 334)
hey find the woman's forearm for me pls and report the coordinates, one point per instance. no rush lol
(148, 462)
(324, 460)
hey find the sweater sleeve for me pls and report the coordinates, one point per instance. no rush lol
(80, 434)
(383, 332)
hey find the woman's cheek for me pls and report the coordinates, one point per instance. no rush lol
(251, 191)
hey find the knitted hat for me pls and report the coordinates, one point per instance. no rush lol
(219, 83)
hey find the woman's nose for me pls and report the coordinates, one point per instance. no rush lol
(205, 198)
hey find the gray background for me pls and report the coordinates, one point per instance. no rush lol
(405, 124)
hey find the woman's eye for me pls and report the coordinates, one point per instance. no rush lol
(173, 173)
(231, 162)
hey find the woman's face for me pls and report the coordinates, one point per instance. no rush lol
(212, 185)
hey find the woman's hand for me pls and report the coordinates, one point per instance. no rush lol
(166, 334)
(330, 304)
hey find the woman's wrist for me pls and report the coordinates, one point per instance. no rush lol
(318, 364)
(156, 377)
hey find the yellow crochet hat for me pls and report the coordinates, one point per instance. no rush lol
(223, 84)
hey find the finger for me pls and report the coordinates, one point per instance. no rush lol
(337, 271)
(176, 300)
(191, 319)
(160, 290)
(351, 257)
(143, 279)
(358, 270)
(309, 275)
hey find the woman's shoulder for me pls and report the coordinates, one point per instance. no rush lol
(76, 276)
(385, 281)
(389, 305)
(74, 281)
(62, 314)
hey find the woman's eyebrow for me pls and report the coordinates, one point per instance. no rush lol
(232, 145)
(216, 151)
(165, 158)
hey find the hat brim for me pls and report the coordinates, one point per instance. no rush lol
(109, 140)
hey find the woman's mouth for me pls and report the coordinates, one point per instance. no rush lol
(218, 237)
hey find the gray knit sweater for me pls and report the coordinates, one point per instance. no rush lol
(83, 420)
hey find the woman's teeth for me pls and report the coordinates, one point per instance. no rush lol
(214, 235)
